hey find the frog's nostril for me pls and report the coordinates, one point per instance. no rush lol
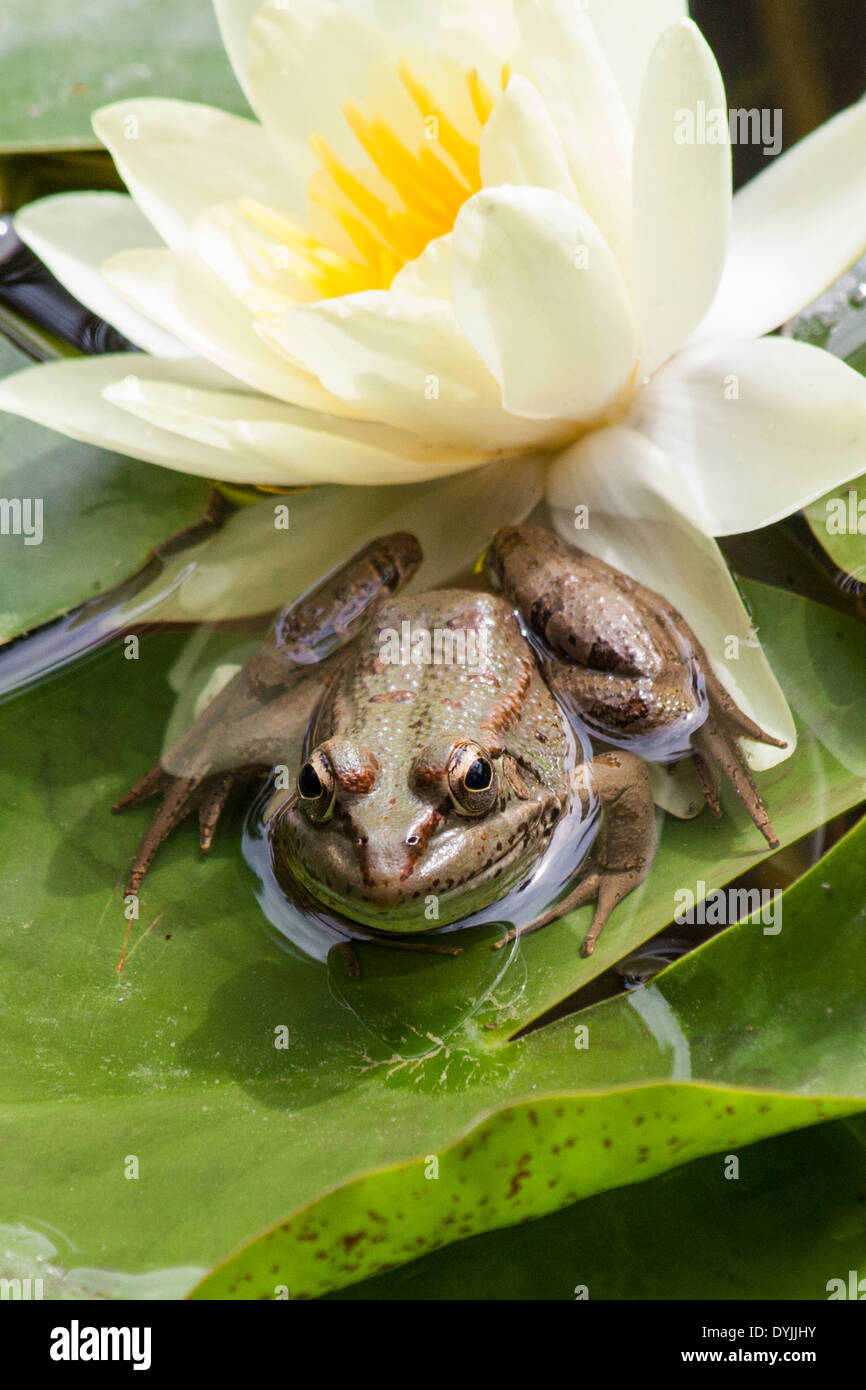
(413, 839)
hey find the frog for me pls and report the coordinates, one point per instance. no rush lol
(408, 778)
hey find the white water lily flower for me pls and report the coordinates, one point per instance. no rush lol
(465, 231)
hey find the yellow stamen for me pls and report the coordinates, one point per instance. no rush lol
(310, 260)
(448, 183)
(428, 182)
(402, 169)
(482, 101)
(461, 150)
(370, 207)
(367, 244)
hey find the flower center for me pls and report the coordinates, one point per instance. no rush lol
(422, 185)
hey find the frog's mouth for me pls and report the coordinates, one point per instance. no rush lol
(427, 900)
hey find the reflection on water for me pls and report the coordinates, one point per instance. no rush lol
(655, 1011)
(33, 659)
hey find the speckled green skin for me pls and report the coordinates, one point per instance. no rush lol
(363, 861)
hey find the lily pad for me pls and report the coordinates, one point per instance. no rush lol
(186, 1083)
(86, 520)
(758, 1026)
(61, 61)
(680, 1236)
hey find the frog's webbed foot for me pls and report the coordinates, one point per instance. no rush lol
(181, 795)
(623, 853)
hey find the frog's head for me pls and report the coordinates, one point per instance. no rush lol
(379, 840)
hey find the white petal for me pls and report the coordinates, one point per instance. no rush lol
(682, 194)
(583, 100)
(404, 360)
(305, 60)
(188, 301)
(541, 298)
(73, 233)
(178, 158)
(234, 18)
(797, 227)
(756, 430)
(67, 396)
(279, 444)
(520, 145)
(628, 31)
(677, 790)
(490, 22)
(406, 21)
(633, 526)
(429, 274)
(246, 261)
(310, 61)
(250, 567)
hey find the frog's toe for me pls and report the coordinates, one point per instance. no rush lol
(177, 802)
(606, 890)
(211, 807)
(146, 786)
(725, 707)
(717, 744)
(708, 784)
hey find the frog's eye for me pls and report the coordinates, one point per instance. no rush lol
(317, 788)
(471, 780)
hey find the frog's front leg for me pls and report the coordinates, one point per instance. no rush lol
(624, 849)
(260, 717)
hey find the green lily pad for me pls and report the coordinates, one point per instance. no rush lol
(507, 1170)
(227, 1074)
(59, 62)
(760, 1027)
(88, 519)
(684, 1235)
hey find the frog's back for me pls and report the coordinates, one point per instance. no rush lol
(441, 664)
